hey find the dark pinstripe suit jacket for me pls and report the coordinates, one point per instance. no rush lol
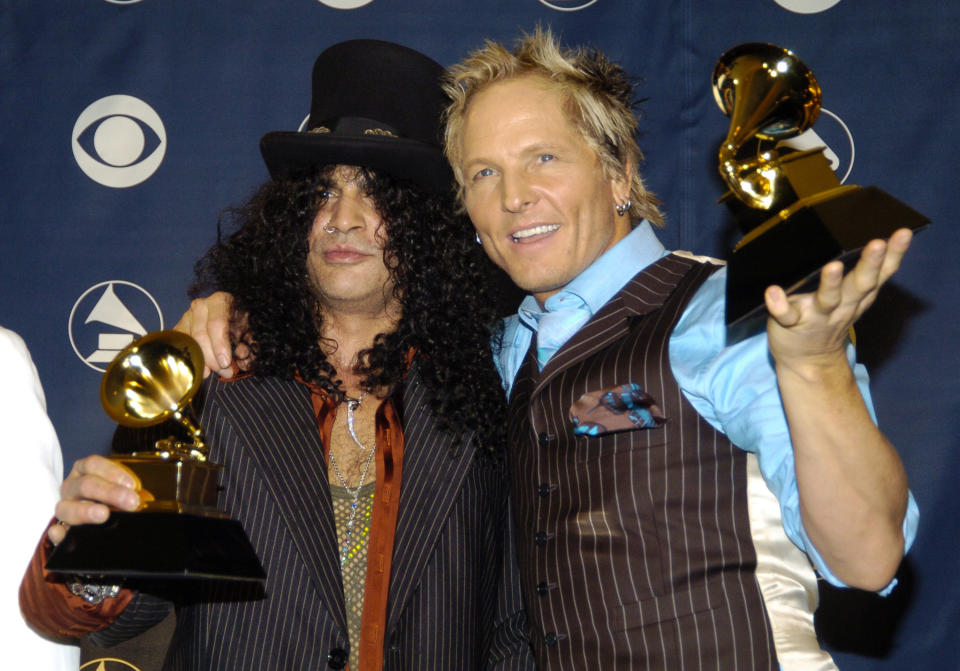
(634, 545)
(454, 600)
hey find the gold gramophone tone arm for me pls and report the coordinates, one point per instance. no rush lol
(198, 446)
(759, 182)
(753, 181)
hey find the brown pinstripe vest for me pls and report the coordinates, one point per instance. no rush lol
(634, 545)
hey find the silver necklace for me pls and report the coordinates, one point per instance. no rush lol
(352, 405)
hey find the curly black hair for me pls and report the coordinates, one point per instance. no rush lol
(441, 279)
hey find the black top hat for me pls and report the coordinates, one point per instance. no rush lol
(376, 105)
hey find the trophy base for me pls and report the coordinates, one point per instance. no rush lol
(792, 249)
(159, 545)
(176, 483)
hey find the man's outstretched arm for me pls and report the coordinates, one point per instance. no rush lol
(851, 482)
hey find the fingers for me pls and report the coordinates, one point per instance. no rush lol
(807, 326)
(57, 532)
(878, 261)
(185, 325)
(208, 322)
(854, 292)
(218, 329)
(807, 332)
(94, 487)
(97, 480)
(780, 307)
(829, 293)
(897, 247)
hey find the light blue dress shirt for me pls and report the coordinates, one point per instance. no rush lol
(733, 387)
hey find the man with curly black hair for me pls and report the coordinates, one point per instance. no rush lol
(361, 430)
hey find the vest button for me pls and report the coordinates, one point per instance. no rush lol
(544, 490)
(337, 658)
(542, 588)
(541, 538)
(542, 438)
(550, 639)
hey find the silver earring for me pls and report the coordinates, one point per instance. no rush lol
(328, 229)
(479, 241)
(622, 208)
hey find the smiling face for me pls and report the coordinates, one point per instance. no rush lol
(345, 260)
(535, 190)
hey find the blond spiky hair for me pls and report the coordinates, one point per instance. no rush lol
(598, 102)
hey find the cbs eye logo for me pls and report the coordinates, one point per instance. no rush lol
(567, 5)
(119, 141)
(345, 4)
(806, 6)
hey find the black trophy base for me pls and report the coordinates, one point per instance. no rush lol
(152, 546)
(791, 252)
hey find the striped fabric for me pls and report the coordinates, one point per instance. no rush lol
(634, 546)
(452, 602)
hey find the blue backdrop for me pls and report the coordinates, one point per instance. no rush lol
(125, 127)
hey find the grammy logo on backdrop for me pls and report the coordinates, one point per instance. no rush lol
(795, 214)
(109, 664)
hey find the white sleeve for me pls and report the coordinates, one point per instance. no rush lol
(31, 456)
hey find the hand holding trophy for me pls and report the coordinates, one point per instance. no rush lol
(178, 532)
(792, 208)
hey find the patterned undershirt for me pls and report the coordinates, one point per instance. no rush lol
(354, 570)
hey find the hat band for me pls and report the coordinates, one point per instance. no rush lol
(354, 126)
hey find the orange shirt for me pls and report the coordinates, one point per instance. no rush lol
(383, 520)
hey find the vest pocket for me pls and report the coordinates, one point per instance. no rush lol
(590, 448)
(671, 606)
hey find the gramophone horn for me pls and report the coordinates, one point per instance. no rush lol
(769, 94)
(153, 379)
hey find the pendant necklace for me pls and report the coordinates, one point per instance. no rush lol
(352, 405)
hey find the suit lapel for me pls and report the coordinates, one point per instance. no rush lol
(643, 294)
(276, 417)
(431, 482)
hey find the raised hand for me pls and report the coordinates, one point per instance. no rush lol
(811, 328)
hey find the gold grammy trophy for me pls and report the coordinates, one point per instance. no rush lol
(792, 208)
(178, 532)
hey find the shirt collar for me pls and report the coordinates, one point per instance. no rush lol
(603, 278)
